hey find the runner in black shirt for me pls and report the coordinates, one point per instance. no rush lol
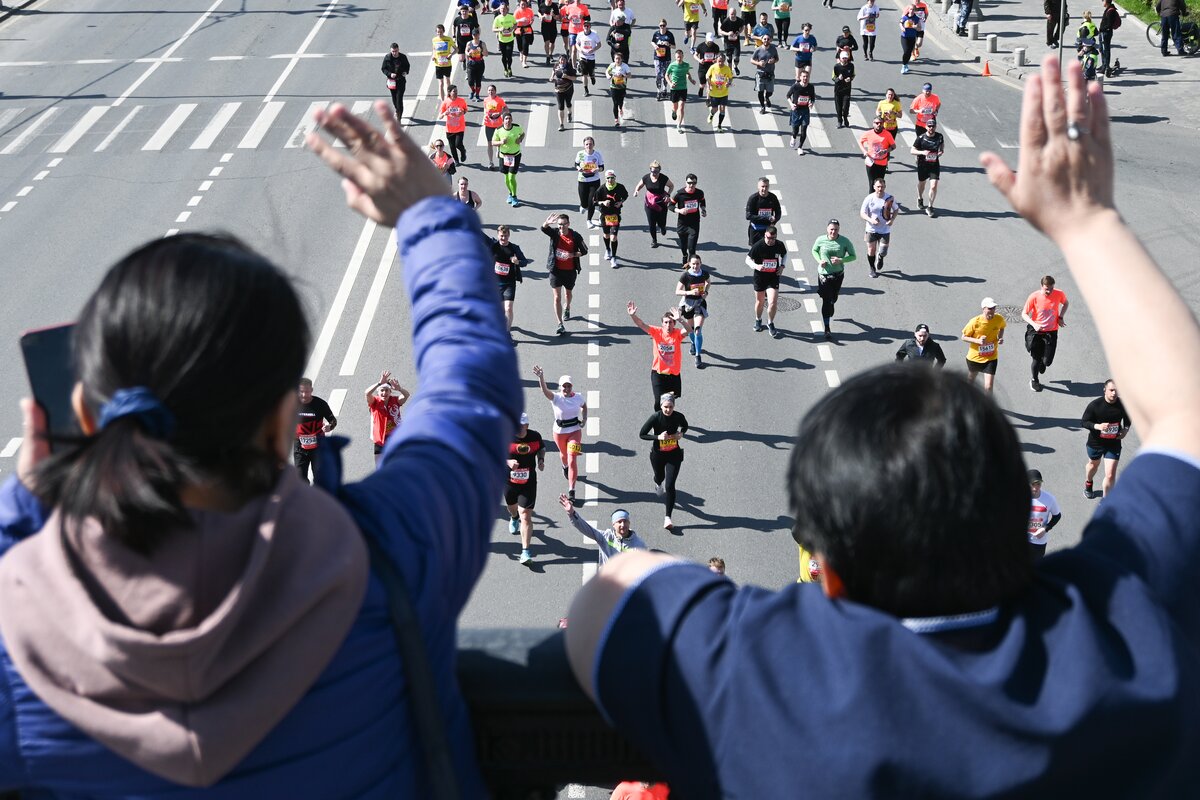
(507, 259)
(706, 55)
(618, 39)
(692, 289)
(762, 211)
(731, 33)
(563, 77)
(463, 24)
(658, 197)
(802, 99)
(922, 349)
(843, 83)
(526, 449)
(395, 69)
(1107, 424)
(663, 42)
(928, 148)
(665, 428)
(688, 204)
(767, 258)
(610, 197)
(314, 419)
(547, 13)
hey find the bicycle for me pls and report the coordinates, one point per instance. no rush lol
(1189, 32)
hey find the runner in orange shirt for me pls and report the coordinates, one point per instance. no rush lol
(454, 111)
(493, 113)
(877, 146)
(925, 107)
(574, 15)
(1044, 314)
(667, 354)
(524, 17)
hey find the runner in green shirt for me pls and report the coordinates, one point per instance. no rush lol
(505, 27)
(832, 252)
(508, 138)
(679, 75)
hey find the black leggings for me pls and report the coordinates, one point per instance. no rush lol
(523, 42)
(398, 99)
(869, 45)
(906, 48)
(475, 75)
(618, 100)
(656, 218)
(1041, 347)
(782, 26)
(688, 237)
(829, 288)
(841, 105)
(506, 51)
(457, 148)
(666, 470)
(587, 196)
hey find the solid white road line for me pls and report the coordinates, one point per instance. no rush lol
(956, 136)
(307, 125)
(158, 62)
(30, 131)
(291, 65)
(214, 127)
(581, 128)
(908, 133)
(133, 112)
(76, 133)
(262, 123)
(334, 317)
(336, 399)
(168, 128)
(768, 128)
(359, 339)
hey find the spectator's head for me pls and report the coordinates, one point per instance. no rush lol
(921, 334)
(620, 523)
(717, 565)
(210, 339)
(910, 488)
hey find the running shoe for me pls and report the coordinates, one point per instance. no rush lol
(562, 127)
(679, 129)
(571, 496)
(874, 272)
(515, 202)
(920, 202)
(828, 336)
(929, 212)
(904, 70)
(758, 326)
(775, 334)
(562, 331)
(1087, 492)
(692, 347)
(658, 489)
(615, 264)
(514, 525)
(526, 557)
(699, 363)
(720, 129)
(792, 143)
(667, 524)
(566, 312)
(674, 115)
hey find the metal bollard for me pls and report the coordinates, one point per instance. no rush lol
(973, 31)
(1019, 56)
(992, 42)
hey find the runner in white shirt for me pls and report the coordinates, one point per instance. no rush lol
(570, 415)
(622, 7)
(879, 210)
(588, 43)
(1043, 515)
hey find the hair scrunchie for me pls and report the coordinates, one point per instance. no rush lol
(141, 403)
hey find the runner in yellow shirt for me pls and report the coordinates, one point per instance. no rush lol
(889, 110)
(692, 9)
(984, 334)
(442, 55)
(718, 81)
(505, 27)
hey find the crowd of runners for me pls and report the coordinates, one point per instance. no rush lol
(692, 62)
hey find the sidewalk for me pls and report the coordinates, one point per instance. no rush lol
(1155, 88)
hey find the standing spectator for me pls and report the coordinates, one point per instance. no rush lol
(1044, 313)
(985, 334)
(922, 349)
(667, 355)
(1107, 424)
(314, 419)
(1044, 514)
(1109, 22)
(1056, 20)
(965, 7)
(384, 400)
(1169, 12)
(395, 69)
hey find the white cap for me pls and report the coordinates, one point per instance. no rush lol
(987, 302)
(708, 37)
(565, 379)
(524, 418)
(619, 16)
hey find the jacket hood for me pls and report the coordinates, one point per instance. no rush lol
(184, 660)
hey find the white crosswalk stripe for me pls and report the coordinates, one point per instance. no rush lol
(262, 123)
(360, 109)
(170, 127)
(115, 132)
(535, 126)
(68, 140)
(958, 138)
(214, 127)
(30, 131)
(908, 133)
(817, 137)
(306, 126)
(858, 119)
(768, 127)
(582, 127)
(674, 137)
(8, 115)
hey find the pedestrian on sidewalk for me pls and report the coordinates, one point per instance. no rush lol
(965, 7)
(1109, 22)
(1056, 19)
(1169, 12)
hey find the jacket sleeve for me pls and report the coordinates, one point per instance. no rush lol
(21, 514)
(645, 433)
(902, 353)
(430, 503)
(938, 354)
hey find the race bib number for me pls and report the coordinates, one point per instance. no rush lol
(308, 442)
(660, 51)
(869, 27)
(802, 101)
(574, 447)
(667, 351)
(987, 349)
(518, 476)
(612, 220)
(464, 30)
(618, 79)
(691, 205)
(720, 81)
(547, 18)
(509, 160)
(694, 8)
(502, 268)
(391, 84)
(765, 213)
(931, 155)
(805, 47)
(1111, 431)
(769, 265)
(1035, 523)
(563, 255)
(668, 444)
(589, 167)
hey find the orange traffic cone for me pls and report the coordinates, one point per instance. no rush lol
(987, 71)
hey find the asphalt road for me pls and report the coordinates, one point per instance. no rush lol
(118, 125)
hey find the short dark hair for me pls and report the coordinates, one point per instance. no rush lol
(217, 334)
(911, 485)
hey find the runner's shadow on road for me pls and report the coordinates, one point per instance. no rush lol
(559, 552)
(935, 280)
(1076, 389)
(772, 440)
(992, 215)
(609, 449)
(1035, 423)
(1036, 449)
(1138, 119)
(870, 334)
(765, 364)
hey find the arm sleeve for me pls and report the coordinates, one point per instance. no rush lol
(647, 427)
(683, 424)
(850, 252)
(21, 514)
(431, 501)
(1089, 416)
(750, 210)
(584, 527)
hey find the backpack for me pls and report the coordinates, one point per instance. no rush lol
(1116, 20)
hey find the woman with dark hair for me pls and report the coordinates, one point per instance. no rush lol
(665, 428)
(177, 608)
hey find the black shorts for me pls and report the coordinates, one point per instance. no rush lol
(442, 72)
(928, 169)
(688, 27)
(508, 291)
(549, 31)
(610, 230)
(516, 163)
(765, 280)
(462, 44)
(378, 448)
(718, 102)
(689, 312)
(1109, 451)
(679, 95)
(563, 277)
(871, 237)
(987, 368)
(522, 495)
(587, 67)
(565, 98)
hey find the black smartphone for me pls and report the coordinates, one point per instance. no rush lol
(48, 362)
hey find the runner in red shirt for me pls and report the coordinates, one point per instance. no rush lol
(383, 401)
(667, 354)
(566, 246)
(494, 107)
(1043, 314)
(454, 111)
(925, 107)
(877, 146)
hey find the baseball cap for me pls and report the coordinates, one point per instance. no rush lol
(927, 86)
(987, 302)
(565, 379)
(524, 418)
(620, 513)
(1035, 476)
(610, 172)
(708, 37)
(921, 327)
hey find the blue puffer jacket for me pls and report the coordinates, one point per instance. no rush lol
(430, 505)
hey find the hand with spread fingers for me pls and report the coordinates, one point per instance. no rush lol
(384, 173)
(1065, 170)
